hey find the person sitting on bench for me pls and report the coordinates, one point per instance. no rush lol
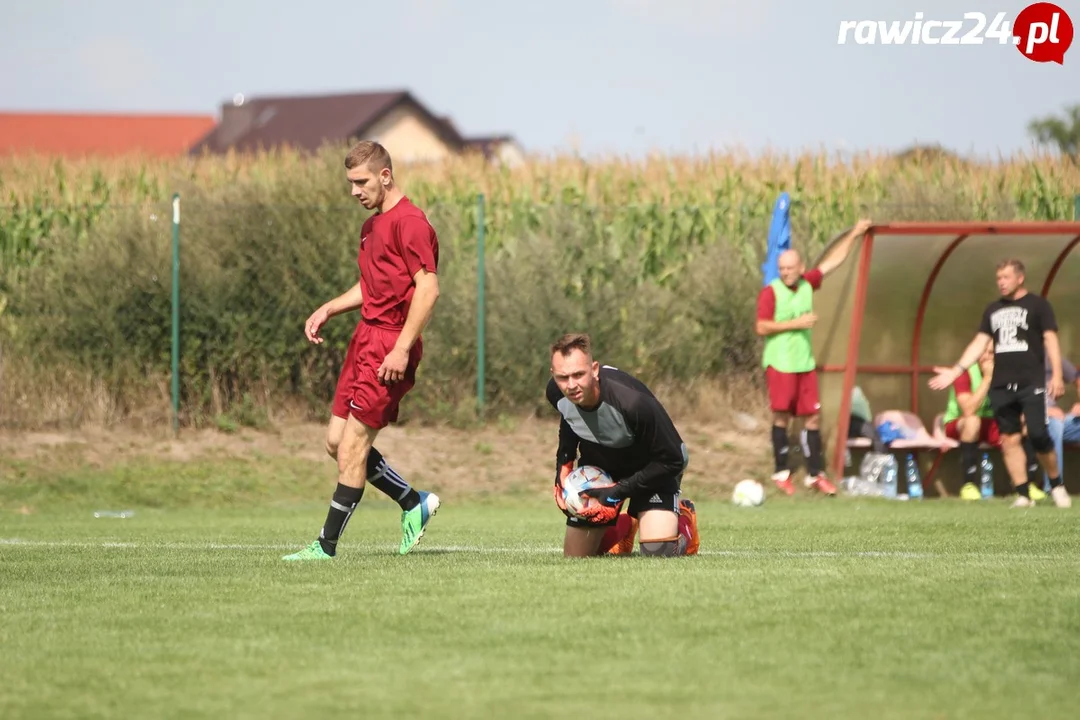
(1064, 427)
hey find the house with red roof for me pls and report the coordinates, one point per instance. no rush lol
(408, 129)
(101, 134)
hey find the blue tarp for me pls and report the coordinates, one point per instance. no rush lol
(779, 238)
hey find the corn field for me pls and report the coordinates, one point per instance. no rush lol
(658, 259)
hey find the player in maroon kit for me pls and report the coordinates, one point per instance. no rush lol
(396, 293)
(785, 318)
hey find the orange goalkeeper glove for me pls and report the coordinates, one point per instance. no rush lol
(559, 500)
(606, 509)
(564, 470)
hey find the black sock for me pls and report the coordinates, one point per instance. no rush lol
(386, 480)
(342, 506)
(1034, 472)
(813, 444)
(969, 462)
(780, 447)
(1024, 490)
(1056, 482)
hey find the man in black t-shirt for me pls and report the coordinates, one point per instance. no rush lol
(619, 426)
(1024, 331)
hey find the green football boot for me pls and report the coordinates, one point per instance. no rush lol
(414, 522)
(313, 551)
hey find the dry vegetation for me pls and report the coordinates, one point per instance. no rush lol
(658, 259)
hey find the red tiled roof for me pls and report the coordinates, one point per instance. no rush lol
(101, 134)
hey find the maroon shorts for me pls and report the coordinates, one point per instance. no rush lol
(359, 390)
(989, 433)
(795, 393)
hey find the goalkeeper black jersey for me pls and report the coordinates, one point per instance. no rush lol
(628, 434)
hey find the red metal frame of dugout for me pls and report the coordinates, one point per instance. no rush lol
(963, 231)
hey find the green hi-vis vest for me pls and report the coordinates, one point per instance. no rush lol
(790, 351)
(952, 411)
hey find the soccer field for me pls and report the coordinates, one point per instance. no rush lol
(805, 607)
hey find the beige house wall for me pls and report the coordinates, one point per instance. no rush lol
(408, 137)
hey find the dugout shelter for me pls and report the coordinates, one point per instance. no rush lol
(909, 297)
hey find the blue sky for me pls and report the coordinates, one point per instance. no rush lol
(599, 76)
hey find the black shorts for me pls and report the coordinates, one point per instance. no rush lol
(1010, 402)
(635, 505)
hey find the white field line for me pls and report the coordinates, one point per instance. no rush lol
(530, 550)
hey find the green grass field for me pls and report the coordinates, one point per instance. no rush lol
(805, 607)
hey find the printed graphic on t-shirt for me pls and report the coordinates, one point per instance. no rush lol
(1007, 322)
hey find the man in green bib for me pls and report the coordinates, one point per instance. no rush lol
(969, 419)
(785, 316)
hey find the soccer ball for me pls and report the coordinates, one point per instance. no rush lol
(583, 478)
(748, 493)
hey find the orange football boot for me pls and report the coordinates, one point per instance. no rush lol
(688, 526)
(621, 536)
(822, 485)
(783, 482)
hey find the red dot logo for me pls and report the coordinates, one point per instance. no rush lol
(1043, 32)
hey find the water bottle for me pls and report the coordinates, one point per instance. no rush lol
(914, 480)
(114, 513)
(857, 486)
(986, 476)
(888, 479)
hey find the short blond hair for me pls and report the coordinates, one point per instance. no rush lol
(1013, 263)
(370, 153)
(572, 341)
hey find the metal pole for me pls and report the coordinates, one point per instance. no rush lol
(176, 314)
(851, 364)
(480, 341)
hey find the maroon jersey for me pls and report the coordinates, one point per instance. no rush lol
(394, 245)
(962, 384)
